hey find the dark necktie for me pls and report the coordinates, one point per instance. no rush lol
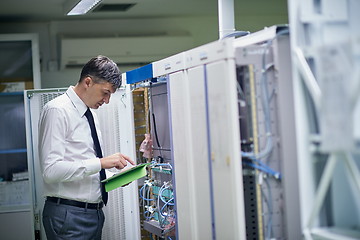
(97, 147)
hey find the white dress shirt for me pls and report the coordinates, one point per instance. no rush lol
(68, 160)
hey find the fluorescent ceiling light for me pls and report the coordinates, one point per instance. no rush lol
(79, 7)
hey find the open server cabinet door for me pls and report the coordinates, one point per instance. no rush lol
(215, 143)
(121, 212)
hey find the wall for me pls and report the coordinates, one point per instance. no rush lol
(203, 29)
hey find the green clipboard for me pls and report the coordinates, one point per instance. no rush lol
(125, 177)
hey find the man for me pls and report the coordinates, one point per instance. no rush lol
(71, 157)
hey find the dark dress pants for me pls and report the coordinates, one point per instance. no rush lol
(62, 222)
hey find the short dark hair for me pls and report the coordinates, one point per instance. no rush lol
(102, 68)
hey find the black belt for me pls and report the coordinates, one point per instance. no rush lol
(75, 203)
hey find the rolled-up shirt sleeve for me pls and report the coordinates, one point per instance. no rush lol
(57, 164)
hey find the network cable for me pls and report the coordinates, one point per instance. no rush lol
(264, 169)
(162, 216)
(270, 210)
(141, 195)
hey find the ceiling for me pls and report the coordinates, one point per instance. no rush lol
(53, 10)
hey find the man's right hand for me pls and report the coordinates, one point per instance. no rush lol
(117, 160)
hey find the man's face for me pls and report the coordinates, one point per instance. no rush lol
(98, 94)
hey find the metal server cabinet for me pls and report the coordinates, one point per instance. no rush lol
(267, 126)
(156, 190)
(212, 68)
(201, 109)
(189, 145)
(116, 123)
(172, 68)
(205, 144)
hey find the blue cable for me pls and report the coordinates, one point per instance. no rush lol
(147, 199)
(263, 165)
(264, 169)
(162, 197)
(167, 203)
(147, 218)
